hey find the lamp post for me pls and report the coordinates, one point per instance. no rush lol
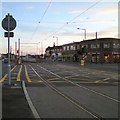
(56, 39)
(84, 32)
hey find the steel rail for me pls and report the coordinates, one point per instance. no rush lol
(74, 102)
(86, 88)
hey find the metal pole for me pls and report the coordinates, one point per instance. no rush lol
(96, 47)
(41, 48)
(9, 66)
(85, 33)
(19, 48)
(57, 40)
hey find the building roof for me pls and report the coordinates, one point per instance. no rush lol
(100, 39)
(86, 41)
(56, 47)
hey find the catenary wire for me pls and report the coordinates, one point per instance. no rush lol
(40, 20)
(66, 23)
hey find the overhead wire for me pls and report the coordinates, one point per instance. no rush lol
(85, 11)
(66, 23)
(41, 20)
(45, 11)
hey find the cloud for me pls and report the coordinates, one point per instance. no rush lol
(108, 32)
(111, 31)
(109, 10)
(77, 11)
(29, 7)
(100, 9)
(77, 36)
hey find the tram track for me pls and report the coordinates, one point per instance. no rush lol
(70, 99)
(76, 101)
(80, 86)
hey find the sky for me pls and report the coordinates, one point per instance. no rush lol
(38, 21)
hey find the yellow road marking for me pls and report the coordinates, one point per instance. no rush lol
(40, 81)
(7, 74)
(18, 76)
(26, 73)
(52, 79)
(101, 81)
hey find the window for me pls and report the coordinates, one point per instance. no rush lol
(64, 48)
(52, 50)
(78, 47)
(86, 46)
(74, 48)
(94, 46)
(116, 45)
(68, 48)
(71, 47)
(106, 45)
(98, 45)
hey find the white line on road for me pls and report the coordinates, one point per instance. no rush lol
(34, 111)
(80, 85)
(63, 95)
(99, 81)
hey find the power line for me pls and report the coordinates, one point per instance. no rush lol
(85, 11)
(41, 19)
(74, 18)
(45, 11)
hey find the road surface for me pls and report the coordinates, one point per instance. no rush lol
(67, 90)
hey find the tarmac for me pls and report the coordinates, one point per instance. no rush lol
(14, 103)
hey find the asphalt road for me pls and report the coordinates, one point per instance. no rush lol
(68, 90)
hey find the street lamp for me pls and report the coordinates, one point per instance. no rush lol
(84, 32)
(56, 39)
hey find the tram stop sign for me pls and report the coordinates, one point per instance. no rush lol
(9, 20)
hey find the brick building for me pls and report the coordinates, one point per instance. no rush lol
(101, 50)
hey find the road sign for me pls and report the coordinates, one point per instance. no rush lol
(11, 34)
(11, 22)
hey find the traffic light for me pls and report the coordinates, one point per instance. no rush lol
(79, 52)
(84, 50)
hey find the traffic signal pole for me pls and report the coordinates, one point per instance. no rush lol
(9, 66)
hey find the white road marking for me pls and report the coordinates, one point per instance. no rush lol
(34, 111)
(63, 95)
(100, 81)
(98, 93)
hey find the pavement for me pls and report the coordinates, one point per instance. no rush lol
(14, 103)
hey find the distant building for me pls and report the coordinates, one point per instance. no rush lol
(101, 50)
(55, 49)
(104, 50)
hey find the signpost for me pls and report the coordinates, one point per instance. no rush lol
(9, 24)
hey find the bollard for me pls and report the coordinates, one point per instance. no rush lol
(82, 62)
